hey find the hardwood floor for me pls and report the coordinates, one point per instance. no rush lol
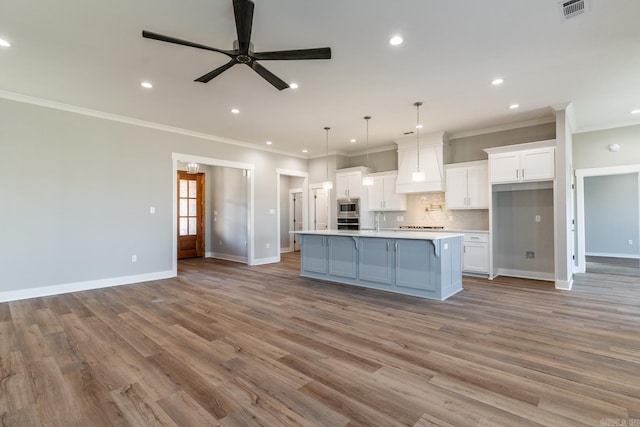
(225, 344)
(611, 265)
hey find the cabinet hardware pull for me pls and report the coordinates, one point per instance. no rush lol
(523, 173)
(387, 246)
(517, 173)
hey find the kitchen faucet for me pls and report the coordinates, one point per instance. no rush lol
(377, 219)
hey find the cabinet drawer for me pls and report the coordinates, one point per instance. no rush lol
(476, 237)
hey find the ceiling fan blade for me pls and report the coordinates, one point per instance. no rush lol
(168, 39)
(211, 74)
(318, 53)
(243, 11)
(269, 76)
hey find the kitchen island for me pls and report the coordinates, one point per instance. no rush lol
(422, 264)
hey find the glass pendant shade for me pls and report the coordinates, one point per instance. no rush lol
(327, 185)
(193, 168)
(367, 181)
(418, 175)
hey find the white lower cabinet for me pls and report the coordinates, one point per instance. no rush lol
(475, 253)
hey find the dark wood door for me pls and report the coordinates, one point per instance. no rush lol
(190, 215)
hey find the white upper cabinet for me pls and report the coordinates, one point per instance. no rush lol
(382, 194)
(431, 163)
(348, 184)
(467, 185)
(534, 161)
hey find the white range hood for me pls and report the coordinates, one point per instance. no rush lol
(431, 162)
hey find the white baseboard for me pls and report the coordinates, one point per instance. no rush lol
(524, 274)
(285, 250)
(45, 291)
(610, 255)
(564, 285)
(271, 260)
(227, 257)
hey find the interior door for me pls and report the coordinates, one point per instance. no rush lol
(296, 219)
(190, 215)
(321, 209)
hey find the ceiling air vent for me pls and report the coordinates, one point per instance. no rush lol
(571, 8)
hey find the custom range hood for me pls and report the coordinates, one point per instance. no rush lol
(430, 152)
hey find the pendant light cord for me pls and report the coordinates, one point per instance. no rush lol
(367, 119)
(417, 105)
(327, 129)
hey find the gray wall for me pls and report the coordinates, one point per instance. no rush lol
(76, 192)
(590, 149)
(516, 232)
(228, 211)
(612, 215)
(378, 162)
(470, 148)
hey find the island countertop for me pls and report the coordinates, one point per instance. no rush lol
(384, 234)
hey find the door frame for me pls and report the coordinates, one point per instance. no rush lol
(305, 196)
(581, 265)
(188, 158)
(318, 186)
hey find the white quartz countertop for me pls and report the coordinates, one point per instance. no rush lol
(433, 231)
(386, 234)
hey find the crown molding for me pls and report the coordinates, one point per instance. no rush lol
(27, 99)
(499, 128)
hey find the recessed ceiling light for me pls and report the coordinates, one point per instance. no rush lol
(4, 43)
(395, 40)
(636, 111)
(293, 85)
(497, 82)
(305, 151)
(269, 142)
(235, 111)
(514, 106)
(146, 85)
(352, 140)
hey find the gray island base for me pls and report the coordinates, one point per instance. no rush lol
(427, 265)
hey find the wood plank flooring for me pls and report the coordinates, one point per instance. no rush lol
(612, 265)
(231, 345)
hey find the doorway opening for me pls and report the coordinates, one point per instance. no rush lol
(246, 169)
(608, 220)
(292, 211)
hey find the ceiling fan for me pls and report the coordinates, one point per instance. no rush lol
(243, 48)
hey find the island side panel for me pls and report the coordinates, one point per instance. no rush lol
(450, 266)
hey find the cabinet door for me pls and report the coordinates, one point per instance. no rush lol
(505, 167)
(313, 256)
(355, 184)
(538, 164)
(478, 187)
(475, 257)
(376, 260)
(456, 194)
(392, 200)
(343, 257)
(376, 194)
(414, 263)
(342, 185)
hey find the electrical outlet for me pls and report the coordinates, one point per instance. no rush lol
(268, 245)
(152, 210)
(630, 242)
(450, 218)
(538, 218)
(134, 258)
(531, 255)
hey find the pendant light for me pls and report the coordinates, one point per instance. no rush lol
(193, 168)
(327, 185)
(418, 175)
(367, 180)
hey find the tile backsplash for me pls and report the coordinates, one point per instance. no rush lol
(430, 209)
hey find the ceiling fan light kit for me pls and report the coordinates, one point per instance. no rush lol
(242, 52)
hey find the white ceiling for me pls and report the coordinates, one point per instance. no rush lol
(91, 54)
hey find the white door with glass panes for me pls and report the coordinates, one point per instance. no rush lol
(190, 215)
